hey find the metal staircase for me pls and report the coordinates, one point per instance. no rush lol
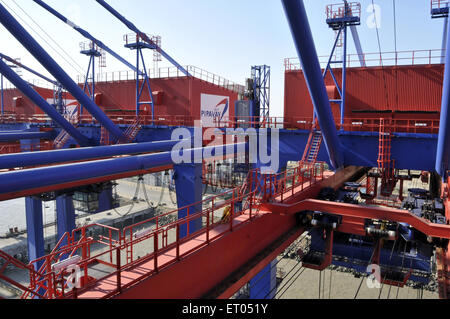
(61, 140)
(133, 130)
(313, 146)
(63, 137)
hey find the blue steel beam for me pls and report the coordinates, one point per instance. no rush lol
(41, 103)
(301, 32)
(9, 137)
(142, 35)
(358, 46)
(32, 179)
(85, 34)
(2, 102)
(80, 154)
(444, 39)
(443, 149)
(9, 59)
(14, 27)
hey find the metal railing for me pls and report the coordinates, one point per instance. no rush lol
(417, 57)
(10, 148)
(148, 240)
(336, 11)
(397, 125)
(168, 72)
(428, 126)
(439, 4)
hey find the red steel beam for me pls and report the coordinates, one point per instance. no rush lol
(203, 271)
(256, 266)
(362, 212)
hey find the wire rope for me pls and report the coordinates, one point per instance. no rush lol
(74, 65)
(136, 193)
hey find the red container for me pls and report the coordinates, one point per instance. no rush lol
(16, 103)
(173, 96)
(392, 91)
(179, 97)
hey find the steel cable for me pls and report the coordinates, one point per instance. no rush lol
(74, 65)
(385, 275)
(363, 277)
(292, 282)
(136, 193)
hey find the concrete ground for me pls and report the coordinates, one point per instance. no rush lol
(343, 286)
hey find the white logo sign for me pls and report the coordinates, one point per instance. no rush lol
(214, 110)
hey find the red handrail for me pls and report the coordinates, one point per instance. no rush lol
(274, 185)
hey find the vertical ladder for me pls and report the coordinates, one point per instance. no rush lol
(385, 163)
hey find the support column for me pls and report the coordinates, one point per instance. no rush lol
(35, 229)
(188, 183)
(2, 97)
(105, 201)
(263, 285)
(344, 79)
(65, 215)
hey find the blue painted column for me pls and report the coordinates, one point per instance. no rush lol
(138, 51)
(443, 149)
(65, 215)
(263, 285)
(105, 200)
(35, 229)
(344, 78)
(1, 93)
(188, 183)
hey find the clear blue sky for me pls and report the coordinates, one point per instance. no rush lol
(223, 37)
